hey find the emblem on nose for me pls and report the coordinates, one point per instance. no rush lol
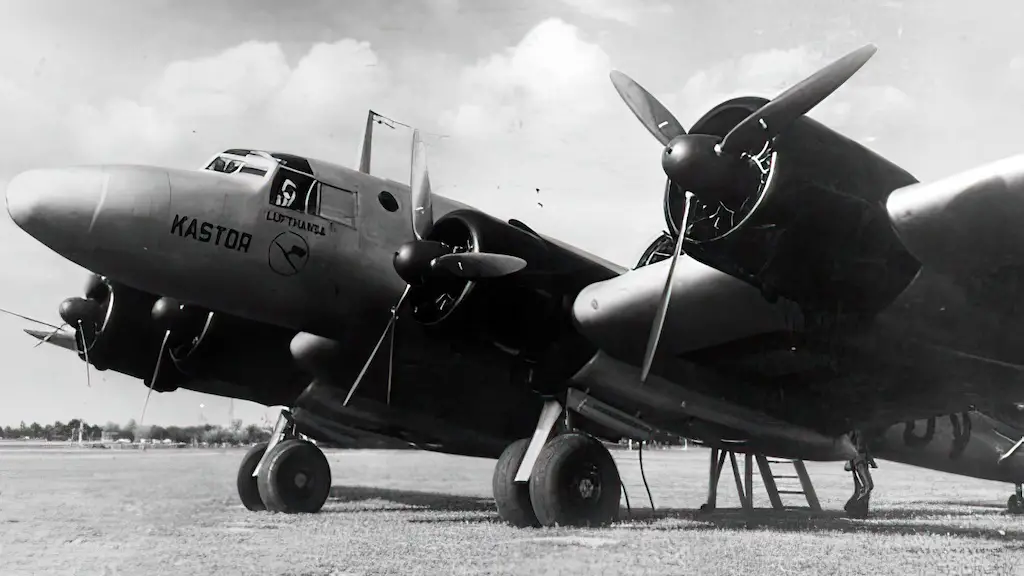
(288, 253)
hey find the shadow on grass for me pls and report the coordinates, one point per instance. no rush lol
(898, 520)
(411, 498)
(902, 521)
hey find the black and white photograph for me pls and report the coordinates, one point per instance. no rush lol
(453, 287)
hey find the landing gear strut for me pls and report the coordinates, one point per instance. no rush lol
(566, 480)
(1015, 505)
(859, 504)
(287, 474)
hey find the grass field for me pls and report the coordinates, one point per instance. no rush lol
(148, 513)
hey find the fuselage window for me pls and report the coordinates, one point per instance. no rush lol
(291, 189)
(338, 205)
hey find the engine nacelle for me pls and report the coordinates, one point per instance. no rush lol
(529, 313)
(813, 227)
(122, 329)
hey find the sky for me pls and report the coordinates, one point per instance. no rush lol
(520, 117)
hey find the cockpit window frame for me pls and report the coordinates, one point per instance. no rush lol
(244, 164)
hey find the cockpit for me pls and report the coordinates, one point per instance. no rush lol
(241, 162)
(292, 184)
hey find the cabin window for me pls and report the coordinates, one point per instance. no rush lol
(292, 189)
(338, 205)
(388, 201)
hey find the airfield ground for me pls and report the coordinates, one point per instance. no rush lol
(155, 512)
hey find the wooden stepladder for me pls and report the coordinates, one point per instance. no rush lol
(745, 486)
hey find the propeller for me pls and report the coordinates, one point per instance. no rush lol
(422, 260)
(705, 163)
(655, 117)
(666, 296)
(711, 168)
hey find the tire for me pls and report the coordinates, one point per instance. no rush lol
(248, 491)
(1015, 505)
(575, 482)
(513, 498)
(296, 478)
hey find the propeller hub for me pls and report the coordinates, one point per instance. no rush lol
(693, 163)
(170, 314)
(75, 310)
(412, 260)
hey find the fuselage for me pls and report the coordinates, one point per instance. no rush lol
(307, 246)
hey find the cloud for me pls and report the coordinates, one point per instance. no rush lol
(769, 72)
(539, 123)
(224, 84)
(248, 93)
(552, 79)
(624, 11)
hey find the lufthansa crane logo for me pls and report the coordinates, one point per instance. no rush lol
(288, 254)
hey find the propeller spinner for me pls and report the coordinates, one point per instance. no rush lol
(710, 168)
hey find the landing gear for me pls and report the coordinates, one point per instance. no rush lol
(248, 491)
(293, 474)
(513, 498)
(568, 480)
(859, 504)
(296, 477)
(1015, 505)
(575, 483)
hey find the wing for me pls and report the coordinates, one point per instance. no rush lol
(751, 358)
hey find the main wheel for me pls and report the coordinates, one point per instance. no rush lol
(248, 491)
(513, 498)
(1015, 505)
(295, 478)
(575, 482)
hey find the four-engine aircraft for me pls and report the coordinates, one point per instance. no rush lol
(807, 291)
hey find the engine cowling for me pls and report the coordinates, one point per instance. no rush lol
(122, 329)
(535, 303)
(812, 225)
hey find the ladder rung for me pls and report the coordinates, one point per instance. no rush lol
(775, 461)
(785, 476)
(790, 491)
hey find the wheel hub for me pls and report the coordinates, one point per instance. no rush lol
(301, 479)
(588, 485)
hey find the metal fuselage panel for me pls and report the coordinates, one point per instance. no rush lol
(968, 443)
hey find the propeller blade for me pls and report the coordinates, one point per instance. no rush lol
(655, 117)
(659, 319)
(23, 317)
(472, 265)
(156, 372)
(419, 185)
(796, 101)
(391, 323)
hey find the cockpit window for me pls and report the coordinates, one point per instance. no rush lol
(228, 165)
(225, 165)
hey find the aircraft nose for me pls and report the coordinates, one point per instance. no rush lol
(44, 198)
(77, 209)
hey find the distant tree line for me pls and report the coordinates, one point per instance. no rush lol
(236, 433)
